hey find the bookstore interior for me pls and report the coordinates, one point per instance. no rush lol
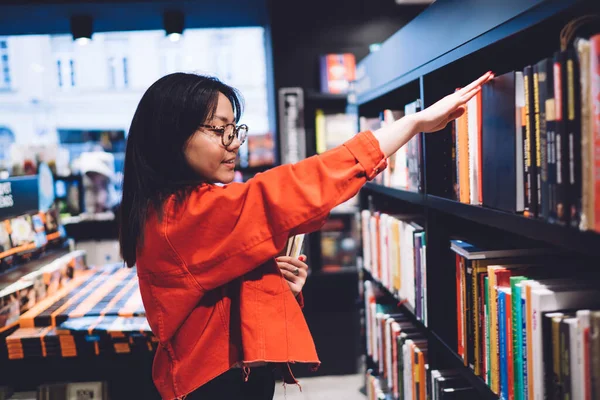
(468, 269)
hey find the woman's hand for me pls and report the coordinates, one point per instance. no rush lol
(392, 137)
(294, 271)
(439, 114)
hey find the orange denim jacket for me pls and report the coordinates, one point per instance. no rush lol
(212, 290)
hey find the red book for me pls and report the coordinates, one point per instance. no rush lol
(459, 306)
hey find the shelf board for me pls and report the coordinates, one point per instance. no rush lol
(404, 195)
(586, 243)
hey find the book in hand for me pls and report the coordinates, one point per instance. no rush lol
(294, 246)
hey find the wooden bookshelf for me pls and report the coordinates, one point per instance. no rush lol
(477, 36)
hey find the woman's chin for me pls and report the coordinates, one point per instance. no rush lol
(225, 177)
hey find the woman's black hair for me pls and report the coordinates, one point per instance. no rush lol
(167, 116)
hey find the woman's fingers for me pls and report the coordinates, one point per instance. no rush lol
(302, 272)
(476, 83)
(293, 261)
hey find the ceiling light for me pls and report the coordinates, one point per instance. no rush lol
(81, 28)
(173, 22)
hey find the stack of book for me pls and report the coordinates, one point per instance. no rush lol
(405, 166)
(394, 249)
(100, 311)
(528, 143)
(399, 352)
(526, 321)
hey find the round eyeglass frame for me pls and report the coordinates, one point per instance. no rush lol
(239, 131)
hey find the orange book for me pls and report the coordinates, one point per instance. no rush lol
(462, 139)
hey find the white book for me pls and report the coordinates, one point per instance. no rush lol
(583, 316)
(365, 216)
(373, 337)
(407, 370)
(393, 254)
(473, 132)
(575, 361)
(520, 167)
(544, 299)
(368, 332)
(383, 218)
(374, 245)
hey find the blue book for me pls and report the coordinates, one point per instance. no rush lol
(525, 386)
(502, 345)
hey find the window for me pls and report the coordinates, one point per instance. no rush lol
(5, 79)
(65, 68)
(118, 72)
(125, 73)
(72, 65)
(59, 76)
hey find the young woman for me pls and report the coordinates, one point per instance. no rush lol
(225, 310)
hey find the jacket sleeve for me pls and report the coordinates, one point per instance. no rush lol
(221, 233)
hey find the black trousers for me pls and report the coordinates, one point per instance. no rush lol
(231, 386)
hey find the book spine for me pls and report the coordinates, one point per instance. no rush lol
(595, 110)
(574, 137)
(545, 81)
(469, 315)
(561, 142)
(459, 325)
(587, 211)
(530, 154)
(525, 345)
(494, 349)
(475, 304)
(488, 369)
(517, 341)
(538, 136)
(526, 154)
(565, 367)
(509, 347)
(502, 345)
(455, 169)
(595, 352)
(556, 360)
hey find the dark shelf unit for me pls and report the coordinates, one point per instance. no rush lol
(498, 36)
(451, 358)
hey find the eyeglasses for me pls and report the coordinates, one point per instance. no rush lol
(229, 132)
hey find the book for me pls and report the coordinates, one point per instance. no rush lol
(414, 151)
(587, 140)
(545, 88)
(530, 152)
(462, 156)
(295, 245)
(595, 352)
(561, 140)
(474, 128)
(337, 71)
(595, 128)
(573, 132)
(501, 102)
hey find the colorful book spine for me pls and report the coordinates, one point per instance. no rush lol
(517, 335)
(488, 370)
(503, 368)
